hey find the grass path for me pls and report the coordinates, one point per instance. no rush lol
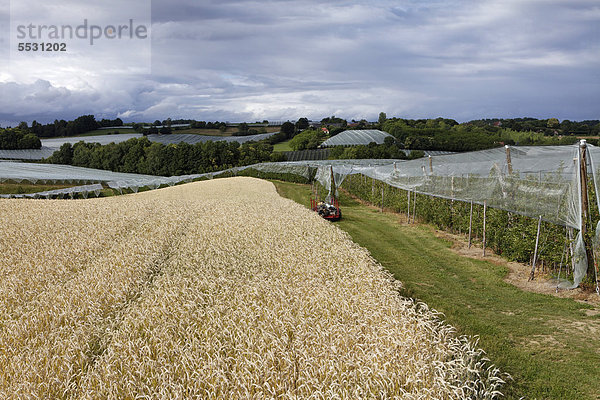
(550, 346)
(283, 146)
(23, 188)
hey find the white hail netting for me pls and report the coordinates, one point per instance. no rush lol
(84, 190)
(594, 153)
(544, 180)
(53, 173)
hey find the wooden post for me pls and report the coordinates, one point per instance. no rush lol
(537, 241)
(508, 160)
(430, 164)
(470, 223)
(484, 217)
(584, 206)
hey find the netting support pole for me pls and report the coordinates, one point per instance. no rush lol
(537, 241)
(584, 206)
(484, 218)
(571, 249)
(470, 223)
(415, 207)
(408, 208)
(333, 187)
(373, 188)
(595, 262)
(382, 189)
(508, 159)
(562, 257)
(430, 164)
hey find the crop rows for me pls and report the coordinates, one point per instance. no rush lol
(217, 289)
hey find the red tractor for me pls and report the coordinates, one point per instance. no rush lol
(330, 211)
(330, 208)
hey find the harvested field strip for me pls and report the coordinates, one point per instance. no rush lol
(219, 289)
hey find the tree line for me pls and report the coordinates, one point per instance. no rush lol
(448, 135)
(548, 126)
(144, 157)
(441, 134)
(78, 126)
(426, 134)
(16, 139)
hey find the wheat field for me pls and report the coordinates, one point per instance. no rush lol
(212, 290)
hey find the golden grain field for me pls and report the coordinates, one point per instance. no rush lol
(211, 290)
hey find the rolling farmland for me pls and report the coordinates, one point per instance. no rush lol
(216, 289)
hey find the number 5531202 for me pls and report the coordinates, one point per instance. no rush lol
(43, 46)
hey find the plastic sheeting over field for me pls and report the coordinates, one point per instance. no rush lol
(49, 146)
(53, 173)
(84, 191)
(174, 138)
(356, 137)
(27, 154)
(34, 173)
(55, 143)
(544, 180)
(532, 181)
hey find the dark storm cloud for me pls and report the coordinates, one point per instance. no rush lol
(189, 10)
(234, 60)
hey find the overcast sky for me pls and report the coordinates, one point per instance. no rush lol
(278, 60)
